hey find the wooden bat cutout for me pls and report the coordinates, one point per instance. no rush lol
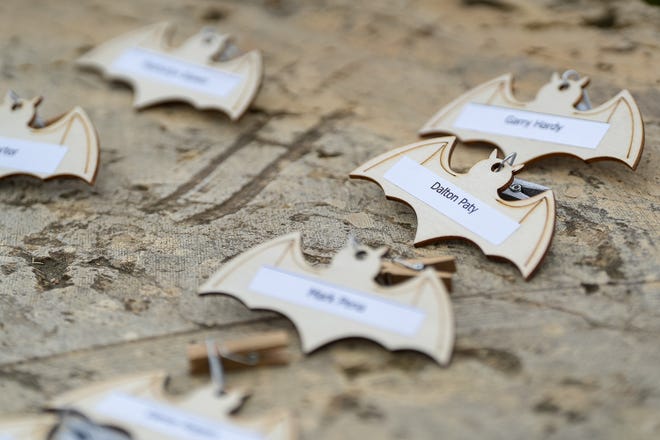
(137, 408)
(550, 125)
(190, 72)
(342, 300)
(65, 146)
(450, 205)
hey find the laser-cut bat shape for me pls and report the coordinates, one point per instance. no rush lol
(550, 125)
(189, 73)
(137, 408)
(342, 300)
(519, 231)
(64, 146)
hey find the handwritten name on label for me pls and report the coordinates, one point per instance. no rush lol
(451, 201)
(168, 420)
(337, 300)
(29, 156)
(531, 125)
(174, 71)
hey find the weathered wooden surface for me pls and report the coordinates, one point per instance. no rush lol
(101, 281)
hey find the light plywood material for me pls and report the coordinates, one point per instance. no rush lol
(623, 140)
(72, 131)
(535, 216)
(183, 73)
(352, 270)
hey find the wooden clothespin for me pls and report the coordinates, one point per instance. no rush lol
(399, 269)
(267, 348)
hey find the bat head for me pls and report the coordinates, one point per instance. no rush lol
(358, 258)
(20, 111)
(568, 90)
(207, 44)
(492, 172)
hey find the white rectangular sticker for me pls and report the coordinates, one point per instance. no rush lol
(531, 125)
(170, 70)
(337, 300)
(450, 200)
(167, 420)
(29, 156)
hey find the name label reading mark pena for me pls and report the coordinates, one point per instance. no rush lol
(451, 201)
(170, 70)
(337, 300)
(29, 156)
(524, 124)
(168, 420)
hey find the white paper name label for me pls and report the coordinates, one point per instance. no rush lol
(337, 300)
(531, 125)
(171, 70)
(452, 201)
(29, 156)
(168, 420)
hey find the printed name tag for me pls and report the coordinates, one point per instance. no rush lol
(171, 70)
(337, 300)
(168, 420)
(29, 156)
(450, 200)
(531, 125)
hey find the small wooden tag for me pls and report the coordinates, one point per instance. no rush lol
(449, 204)
(550, 125)
(190, 72)
(342, 300)
(65, 146)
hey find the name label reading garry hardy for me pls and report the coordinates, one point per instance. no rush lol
(451, 201)
(531, 125)
(337, 300)
(29, 156)
(171, 70)
(168, 420)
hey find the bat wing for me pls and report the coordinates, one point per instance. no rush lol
(102, 57)
(624, 140)
(248, 67)
(424, 293)
(525, 246)
(235, 276)
(497, 91)
(34, 427)
(75, 131)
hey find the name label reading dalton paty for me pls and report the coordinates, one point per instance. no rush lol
(531, 125)
(168, 420)
(337, 300)
(29, 156)
(170, 70)
(451, 201)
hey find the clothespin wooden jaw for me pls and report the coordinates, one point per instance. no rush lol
(268, 348)
(398, 270)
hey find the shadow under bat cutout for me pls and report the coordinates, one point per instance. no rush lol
(195, 72)
(341, 300)
(64, 146)
(137, 408)
(559, 121)
(449, 204)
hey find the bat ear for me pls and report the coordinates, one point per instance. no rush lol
(555, 77)
(493, 154)
(517, 168)
(36, 101)
(382, 251)
(584, 81)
